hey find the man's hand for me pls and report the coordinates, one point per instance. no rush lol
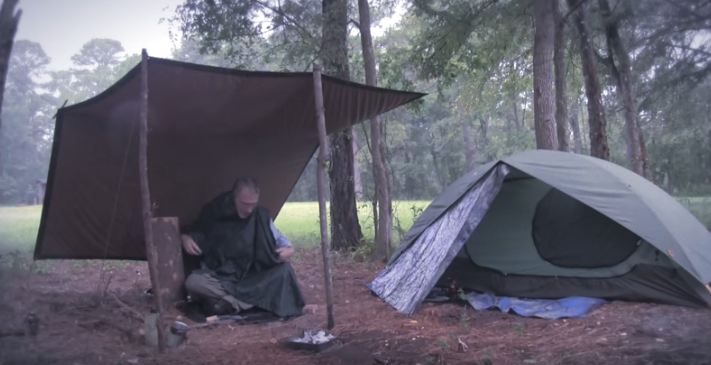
(190, 246)
(285, 253)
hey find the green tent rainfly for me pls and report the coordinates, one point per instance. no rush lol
(548, 224)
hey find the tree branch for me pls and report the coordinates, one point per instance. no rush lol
(564, 18)
(305, 32)
(685, 11)
(688, 48)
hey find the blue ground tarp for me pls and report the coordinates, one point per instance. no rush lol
(568, 307)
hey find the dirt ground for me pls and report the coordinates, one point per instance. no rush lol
(89, 318)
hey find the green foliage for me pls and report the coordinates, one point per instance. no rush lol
(97, 65)
(679, 141)
(478, 52)
(278, 35)
(473, 56)
(469, 36)
(32, 96)
(363, 252)
(26, 133)
(402, 221)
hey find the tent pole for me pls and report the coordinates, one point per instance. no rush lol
(151, 251)
(323, 161)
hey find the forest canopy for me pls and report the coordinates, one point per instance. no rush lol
(474, 58)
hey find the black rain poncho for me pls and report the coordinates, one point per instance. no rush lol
(241, 253)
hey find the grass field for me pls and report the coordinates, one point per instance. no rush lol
(298, 221)
(700, 206)
(18, 227)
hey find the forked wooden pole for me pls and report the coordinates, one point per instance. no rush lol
(323, 159)
(151, 251)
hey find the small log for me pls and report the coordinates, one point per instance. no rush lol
(171, 275)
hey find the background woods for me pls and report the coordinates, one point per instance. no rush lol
(623, 80)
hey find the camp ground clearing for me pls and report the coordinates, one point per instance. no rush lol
(86, 317)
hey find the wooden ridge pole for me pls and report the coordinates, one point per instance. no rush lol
(323, 159)
(151, 251)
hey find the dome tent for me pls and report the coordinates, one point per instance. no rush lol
(548, 224)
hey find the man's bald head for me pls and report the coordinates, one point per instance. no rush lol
(246, 195)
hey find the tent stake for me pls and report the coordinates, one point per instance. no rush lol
(323, 160)
(151, 251)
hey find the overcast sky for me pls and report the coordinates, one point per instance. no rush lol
(63, 26)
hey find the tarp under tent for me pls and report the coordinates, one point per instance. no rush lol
(549, 224)
(206, 126)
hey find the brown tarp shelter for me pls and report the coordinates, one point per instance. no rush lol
(206, 126)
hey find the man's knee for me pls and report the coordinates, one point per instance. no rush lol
(197, 283)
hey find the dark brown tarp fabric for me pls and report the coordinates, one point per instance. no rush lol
(207, 125)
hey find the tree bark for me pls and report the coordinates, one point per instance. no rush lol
(171, 271)
(357, 176)
(543, 102)
(382, 187)
(596, 113)
(9, 19)
(513, 96)
(561, 85)
(469, 145)
(622, 72)
(345, 229)
(575, 127)
(484, 130)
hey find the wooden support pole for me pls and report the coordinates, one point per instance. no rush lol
(151, 251)
(323, 159)
(171, 274)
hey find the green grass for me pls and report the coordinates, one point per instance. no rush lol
(298, 221)
(18, 227)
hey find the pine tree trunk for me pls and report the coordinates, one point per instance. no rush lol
(9, 19)
(345, 229)
(382, 186)
(596, 113)
(561, 85)
(622, 72)
(484, 133)
(469, 145)
(543, 96)
(575, 127)
(357, 178)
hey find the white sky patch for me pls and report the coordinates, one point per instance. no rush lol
(386, 23)
(63, 27)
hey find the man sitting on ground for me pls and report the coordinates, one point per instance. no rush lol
(243, 257)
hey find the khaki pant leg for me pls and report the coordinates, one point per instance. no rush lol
(202, 285)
